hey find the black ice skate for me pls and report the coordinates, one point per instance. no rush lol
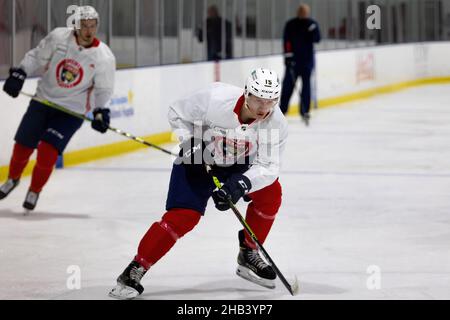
(7, 187)
(129, 282)
(305, 118)
(252, 267)
(31, 200)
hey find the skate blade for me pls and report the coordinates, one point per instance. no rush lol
(27, 212)
(295, 287)
(249, 275)
(123, 292)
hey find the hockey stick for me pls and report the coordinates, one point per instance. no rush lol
(85, 118)
(314, 90)
(292, 288)
(291, 70)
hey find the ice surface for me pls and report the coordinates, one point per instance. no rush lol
(367, 184)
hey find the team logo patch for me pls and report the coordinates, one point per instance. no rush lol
(234, 146)
(230, 150)
(69, 73)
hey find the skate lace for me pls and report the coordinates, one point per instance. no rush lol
(255, 259)
(137, 273)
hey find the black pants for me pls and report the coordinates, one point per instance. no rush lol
(290, 77)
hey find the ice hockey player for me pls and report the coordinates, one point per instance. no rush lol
(77, 72)
(241, 135)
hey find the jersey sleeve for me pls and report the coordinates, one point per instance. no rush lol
(37, 59)
(266, 166)
(187, 113)
(315, 30)
(104, 81)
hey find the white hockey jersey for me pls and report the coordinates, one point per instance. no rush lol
(214, 112)
(74, 77)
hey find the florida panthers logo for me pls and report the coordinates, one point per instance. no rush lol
(234, 146)
(69, 73)
(231, 148)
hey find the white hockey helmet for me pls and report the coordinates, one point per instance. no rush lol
(86, 13)
(263, 83)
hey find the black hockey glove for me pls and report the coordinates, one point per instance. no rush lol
(101, 119)
(193, 156)
(289, 62)
(15, 81)
(234, 189)
(191, 152)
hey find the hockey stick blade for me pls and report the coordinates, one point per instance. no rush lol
(294, 287)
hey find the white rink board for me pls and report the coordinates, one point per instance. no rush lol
(152, 89)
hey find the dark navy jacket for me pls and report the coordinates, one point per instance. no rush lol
(299, 37)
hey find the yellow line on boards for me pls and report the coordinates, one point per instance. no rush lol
(364, 94)
(74, 158)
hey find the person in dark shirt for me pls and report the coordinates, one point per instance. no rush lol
(299, 36)
(214, 36)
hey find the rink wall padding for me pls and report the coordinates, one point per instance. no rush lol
(77, 157)
(366, 94)
(142, 95)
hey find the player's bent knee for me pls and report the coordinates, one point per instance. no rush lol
(47, 154)
(268, 199)
(178, 222)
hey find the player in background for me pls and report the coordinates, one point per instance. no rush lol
(241, 134)
(77, 72)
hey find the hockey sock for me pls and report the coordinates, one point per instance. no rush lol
(19, 160)
(162, 235)
(46, 159)
(261, 212)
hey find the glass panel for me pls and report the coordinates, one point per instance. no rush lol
(123, 33)
(170, 31)
(250, 48)
(5, 37)
(414, 21)
(280, 19)
(352, 28)
(31, 25)
(333, 24)
(264, 27)
(341, 24)
(319, 12)
(403, 10)
(239, 30)
(430, 19)
(149, 32)
(230, 26)
(187, 36)
(446, 20)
